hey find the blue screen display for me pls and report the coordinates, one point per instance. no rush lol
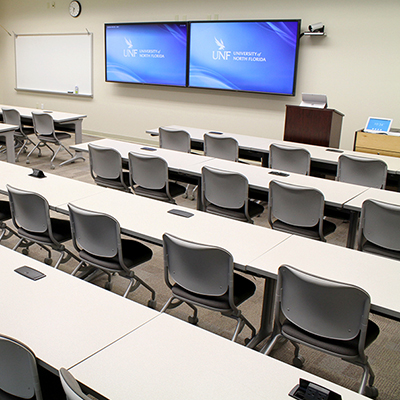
(378, 125)
(256, 56)
(152, 53)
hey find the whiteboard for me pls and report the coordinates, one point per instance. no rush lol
(56, 63)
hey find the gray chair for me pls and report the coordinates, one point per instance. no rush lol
(290, 159)
(298, 210)
(219, 146)
(31, 216)
(19, 378)
(174, 139)
(325, 315)
(178, 140)
(46, 134)
(71, 387)
(362, 171)
(202, 275)
(97, 238)
(12, 116)
(227, 193)
(5, 215)
(379, 230)
(149, 178)
(106, 168)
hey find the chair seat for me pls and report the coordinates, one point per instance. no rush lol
(134, 253)
(311, 232)
(114, 183)
(346, 348)
(244, 289)
(380, 251)
(175, 189)
(254, 210)
(61, 232)
(50, 138)
(5, 212)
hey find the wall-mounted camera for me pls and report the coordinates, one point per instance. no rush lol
(317, 27)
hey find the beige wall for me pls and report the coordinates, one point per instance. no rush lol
(356, 65)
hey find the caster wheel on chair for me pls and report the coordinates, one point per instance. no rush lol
(152, 304)
(371, 392)
(193, 320)
(108, 286)
(48, 261)
(25, 252)
(28, 162)
(52, 167)
(298, 361)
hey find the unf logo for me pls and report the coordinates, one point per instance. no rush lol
(129, 52)
(220, 54)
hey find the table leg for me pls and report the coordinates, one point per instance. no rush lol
(78, 139)
(10, 146)
(351, 235)
(267, 314)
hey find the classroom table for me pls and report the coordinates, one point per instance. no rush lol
(149, 219)
(62, 120)
(355, 206)
(376, 275)
(170, 359)
(56, 189)
(325, 156)
(62, 318)
(8, 131)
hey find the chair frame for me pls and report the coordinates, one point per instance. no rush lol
(110, 248)
(350, 326)
(223, 147)
(108, 172)
(224, 285)
(71, 387)
(46, 227)
(50, 136)
(291, 153)
(364, 167)
(30, 378)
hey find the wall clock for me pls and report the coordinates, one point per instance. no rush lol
(75, 8)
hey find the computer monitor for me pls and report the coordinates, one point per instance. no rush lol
(378, 125)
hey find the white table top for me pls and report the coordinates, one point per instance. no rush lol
(176, 160)
(56, 189)
(386, 196)
(171, 359)
(58, 316)
(318, 153)
(58, 116)
(7, 127)
(335, 193)
(379, 276)
(149, 219)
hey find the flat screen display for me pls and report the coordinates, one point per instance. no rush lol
(252, 56)
(147, 53)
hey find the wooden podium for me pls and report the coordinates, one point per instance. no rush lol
(319, 126)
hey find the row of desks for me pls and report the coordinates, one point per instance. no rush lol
(130, 333)
(337, 194)
(118, 348)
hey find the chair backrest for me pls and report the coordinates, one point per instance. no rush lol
(18, 371)
(104, 162)
(295, 205)
(174, 139)
(148, 171)
(29, 210)
(43, 123)
(11, 116)
(201, 269)
(362, 171)
(322, 307)
(290, 159)
(96, 233)
(219, 146)
(71, 387)
(224, 188)
(380, 224)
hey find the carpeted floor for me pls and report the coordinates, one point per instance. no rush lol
(384, 353)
